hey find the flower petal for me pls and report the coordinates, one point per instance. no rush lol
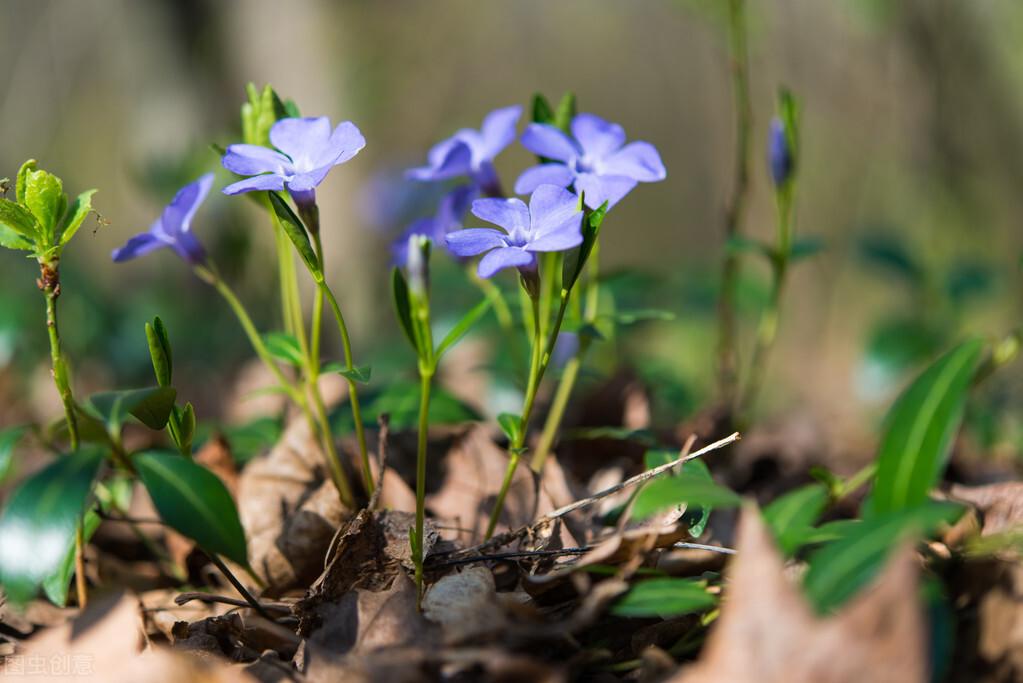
(554, 174)
(498, 130)
(453, 206)
(399, 248)
(303, 182)
(473, 241)
(566, 236)
(345, 142)
(548, 141)
(448, 159)
(268, 181)
(177, 217)
(597, 137)
(597, 189)
(550, 207)
(189, 248)
(637, 160)
(504, 257)
(139, 245)
(302, 139)
(254, 159)
(510, 214)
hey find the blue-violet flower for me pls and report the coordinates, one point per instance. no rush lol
(173, 227)
(779, 153)
(306, 151)
(450, 214)
(552, 222)
(595, 160)
(471, 152)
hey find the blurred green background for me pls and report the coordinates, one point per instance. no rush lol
(912, 143)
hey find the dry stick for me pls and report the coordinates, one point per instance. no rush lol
(503, 539)
(685, 545)
(185, 598)
(238, 586)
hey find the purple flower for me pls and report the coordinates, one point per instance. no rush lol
(779, 153)
(306, 151)
(552, 222)
(595, 159)
(449, 216)
(173, 227)
(472, 152)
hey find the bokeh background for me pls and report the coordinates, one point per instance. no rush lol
(912, 142)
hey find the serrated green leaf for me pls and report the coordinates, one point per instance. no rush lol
(403, 306)
(665, 598)
(38, 524)
(194, 502)
(360, 373)
(919, 430)
(791, 517)
(44, 197)
(687, 488)
(9, 438)
(510, 424)
(296, 232)
(56, 586)
(840, 569)
(151, 406)
(284, 347)
(75, 216)
(160, 351)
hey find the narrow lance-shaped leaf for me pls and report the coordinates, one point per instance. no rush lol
(665, 598)
(463, 326)
(194, 502)
(685, 488)
(403, 306)
(152, 407)
(38, 524)
(919, 430)
(56, 586)
(296, 232)
(284, 347)
(75, 216)
(791, 517)
(160, 351)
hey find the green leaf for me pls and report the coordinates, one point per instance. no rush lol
(9, 438)
(193, 502)
(360, 373)
(186, 418)
(160, 351)
(565, 112)
(19, 229)
(688, 488)
(919, 430)
(56, 586)
(44, 197)
(791, 517)
(747, 245)
(576, 260)
(403, 306)
(510, 424)
(887, 252)
(252, 438)
(542, 111)
(151, 406)
(463, 326)
(19, 189)
(805, 248)
(284, 347)
(665, 598)
(38, 524)
(75, 216)
(296, 232)
(695, 516)
(897, 344)
(840, 569)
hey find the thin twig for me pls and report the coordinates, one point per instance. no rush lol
(238, 586)
(185, 598)
(517, 555)
(700, 546)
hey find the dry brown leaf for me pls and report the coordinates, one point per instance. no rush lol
(768, 634)
(103, 645)
(1000, 504)
(290, 510)
(465, 605)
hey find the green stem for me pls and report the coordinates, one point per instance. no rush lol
(727, 345)
(353, 390)
(59, 365)
(425, 378)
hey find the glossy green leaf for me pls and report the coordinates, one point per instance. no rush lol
(542, 110)
(22, 181)
(194, 502)
(463, 326)
(38, 524)
(151, 406)
(285, 348)
(186, 418)
(296, 232)
(360, 373)
(9, 438)
(44, 197)
(919, 430)
(160, 351)
(20, 229)
(75, 216)
(689, 488)
(791, 517)
(565, 112)
(403, 306)
(840, 569)
(510, 424)
(57, 585)
(665, 598)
